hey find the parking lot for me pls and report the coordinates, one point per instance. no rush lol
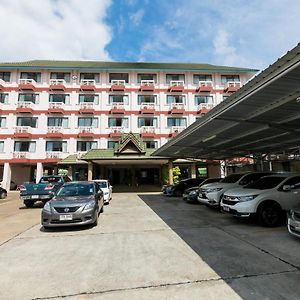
(146, 246)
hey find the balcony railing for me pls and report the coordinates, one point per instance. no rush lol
(117, 108)
(232, 86)
(25, 107)
(87, 106)
(55, 129)
(147, 131)
(176, 129)
(87, 84)
(117, 85)
(147, 85)
(54, 154)
(116, 131)
(177, 108)
(20, 155)
(27, 81)
(147, 107)
(57, 84)
(176, 85)
(2, 83)
(27, 84)
(204, 108)
(117, 82)
(205, 86)
(22, 129)
(85, 129)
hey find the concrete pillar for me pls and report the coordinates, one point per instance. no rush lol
(170, 169)
(39, 171)
(6, 176)
(55, 170)
(193, 171)
(70, 172)
(90, 171)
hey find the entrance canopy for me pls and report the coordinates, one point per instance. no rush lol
(263, 117)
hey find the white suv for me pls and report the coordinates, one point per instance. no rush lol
(106, 189)
(211, 193)
(268, 198)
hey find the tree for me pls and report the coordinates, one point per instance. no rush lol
(176, 174)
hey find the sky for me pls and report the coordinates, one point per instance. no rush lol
(238, 33)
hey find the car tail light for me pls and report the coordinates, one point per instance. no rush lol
(22, 188)
(49, 187)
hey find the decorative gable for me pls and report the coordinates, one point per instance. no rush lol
(130, 144)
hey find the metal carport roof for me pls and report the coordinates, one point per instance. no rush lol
(262, 117)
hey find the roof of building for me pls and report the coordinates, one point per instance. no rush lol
(110, 65)
(71, 160)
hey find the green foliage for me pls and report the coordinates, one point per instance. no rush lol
(62, 172)
(165, 175)
(176, 174)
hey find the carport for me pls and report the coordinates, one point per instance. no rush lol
(261, 120)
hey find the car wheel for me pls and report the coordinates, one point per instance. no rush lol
(3, 195)
(269, 214)
(96, 220)
(29, 204)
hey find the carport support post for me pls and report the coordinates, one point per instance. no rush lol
(170, 169)
(6, 176)
(193, 170)
(39, 172)
(90, 171)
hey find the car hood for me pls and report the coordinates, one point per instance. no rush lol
(71, 201)
(191, 189)
(105, 190)
(216, 185)
(239, 192)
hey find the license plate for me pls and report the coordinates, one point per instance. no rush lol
(35, 197)
(225, 208)
(65, 217)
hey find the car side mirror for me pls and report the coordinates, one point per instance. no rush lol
(286, 188)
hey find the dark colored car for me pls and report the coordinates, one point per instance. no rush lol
(75, 203)
(178, 189)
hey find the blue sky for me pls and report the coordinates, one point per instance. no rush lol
(225, 32)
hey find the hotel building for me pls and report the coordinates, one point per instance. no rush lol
(102, 119)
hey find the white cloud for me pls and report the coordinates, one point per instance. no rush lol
(54, 29)
(137, 17)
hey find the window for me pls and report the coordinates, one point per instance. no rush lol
(27, 121)
(294, 183)
(57, 122)
(176, 122)
(118, 76)
(87, 122)
(28, 98)
(1, 146)
(86, 146)
(147, 122)
(118, 99)
(5, 76)
(90, 76)
(203, 99)
(150, 144)
(141, 77)
(31, 75)
(2, 122)
(3, 98)
(60, 75)
(111, 144)
(174, 77)
(225, 97)
(62, 98)
(118, 122)
(201, 77)
(175, 99)
(89, 98)
(56, 146)
(24, 146)
(230, 78)
(147, 99)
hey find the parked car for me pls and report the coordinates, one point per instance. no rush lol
(179, 188)
(13, 185)
(267, 198)
(106, 189)
(42, 191)
(210, 194)
(294, 221)
(75, 203)
(191, 195)
(3, 193)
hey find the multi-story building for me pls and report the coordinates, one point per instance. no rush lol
(50, 110)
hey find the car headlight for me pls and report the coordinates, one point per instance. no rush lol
(47, 207)
(247, 198)
(193, 193)
(90, 205)
(213, 190)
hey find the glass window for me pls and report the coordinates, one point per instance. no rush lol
(147, 99)
(2, 122)
(3, 98)
(111, 144)
(57, 122)
(232, 178)
(175, 99)
(89, 98)
(27, 121)
(203, 99)
(230, 78)
(87, 122)
(176, 122)
(174, 77)
(31, 75)
(1, 146)
(56, 146)
(147, 122)
(61, 75)
(118, 122)
(5, 76)
(86, 145)
(141, 77)
(201, 77)
(264, 183)
(90, 76)
(118, 99)
(151, 144)
(293, 182)
(28, 98)
(62, 98)
(24, 146)
(118, 76)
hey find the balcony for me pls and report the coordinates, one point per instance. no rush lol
(204, 108)
(147, 85)
(87, 85)
(232, 87)
(147, 131)
(57, 85)
(86, 132)
(175, 130)
(177, 108)
(54, 155)
(22, 132)
(21, 157)
(117, 85)
(55, 132)
(25, 107)
(117, 108)
(116, 131)
(87, 108)
(205, 86)
(27, 84)
(2, 83)
(56, 107)
(147, 108)
(176, 86)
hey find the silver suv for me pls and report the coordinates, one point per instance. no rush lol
(268, 198)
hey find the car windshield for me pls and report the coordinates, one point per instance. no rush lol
(50, 179)
(102, 184)
(265, 183)
(232, 178)
(72, 190)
